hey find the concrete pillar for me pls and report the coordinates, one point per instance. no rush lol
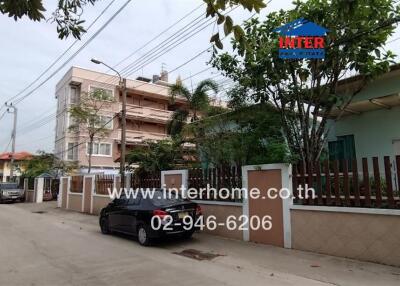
(87, 193)
(26, 189)
(63, 192)
(59, 195)
(39, 189)
(128, 177)
(117, 182)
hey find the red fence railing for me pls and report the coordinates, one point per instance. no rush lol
(76, 184)
(229, 177)
(146, 180)
(344, 183)
(103, 183)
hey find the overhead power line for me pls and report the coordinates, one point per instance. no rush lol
(37, 124)
(167, 45)
(4, 113)
(47, 120)
(8, 145)
(173, 45)
(180, 34)
(76, 53)
(158, 35)
(34, 141)
(152, 40)
(61, 55)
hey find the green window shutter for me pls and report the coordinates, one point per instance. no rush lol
(336, 150)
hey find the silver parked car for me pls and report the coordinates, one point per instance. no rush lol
(10, 192)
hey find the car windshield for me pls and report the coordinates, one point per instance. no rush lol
(8, 186)
(162, 198)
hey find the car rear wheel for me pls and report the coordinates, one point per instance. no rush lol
(104, 226)
(188, 234)
(143, 235)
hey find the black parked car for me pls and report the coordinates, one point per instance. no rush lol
(150, 218)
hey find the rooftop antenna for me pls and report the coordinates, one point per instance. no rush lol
(163, 67)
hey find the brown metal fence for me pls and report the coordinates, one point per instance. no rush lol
(47, 184)
(76, 184)
(344, 183)
(31, 183)
(54, 187)
(21, 181)
(47, 194)
(103, 183)
(229, 177)
(146, 180)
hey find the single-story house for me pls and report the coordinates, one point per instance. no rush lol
(370, 125)
(5, 164)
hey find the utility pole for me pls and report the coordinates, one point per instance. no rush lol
(122, 88)
(13, 137)
(123, 135)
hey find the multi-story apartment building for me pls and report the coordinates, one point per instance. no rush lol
(148, 111)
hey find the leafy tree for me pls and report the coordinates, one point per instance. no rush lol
(249, 135)
(87, 117)
(305, 91)
(215, 8)
(45, 163)
(67, 14)
(197, 102)
(156, 156)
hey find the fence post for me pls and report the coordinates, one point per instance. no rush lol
(68, 191)
(88, 186)
(389, 182)
(60, 193)
(92, 192)
(117, 182)
(398, 173)
(63, 192)
(26, 189)
(128, 177)
(39, 190)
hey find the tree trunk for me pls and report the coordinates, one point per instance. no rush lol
(90, 154)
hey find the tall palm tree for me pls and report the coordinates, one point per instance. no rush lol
(197, 100)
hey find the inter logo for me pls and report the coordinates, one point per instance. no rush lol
(301, 39)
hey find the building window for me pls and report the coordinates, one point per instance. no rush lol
(72, 122)
(74, 95)
(105, 122)
(100, 149)
(72, 151)
(59, 101)
(107, 92)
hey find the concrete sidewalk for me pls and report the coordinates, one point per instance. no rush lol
(58, 247)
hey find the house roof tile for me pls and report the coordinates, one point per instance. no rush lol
(17, 156)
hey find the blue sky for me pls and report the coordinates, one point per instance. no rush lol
(29, 47)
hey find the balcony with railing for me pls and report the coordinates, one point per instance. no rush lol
(147, 114)
(138, 137)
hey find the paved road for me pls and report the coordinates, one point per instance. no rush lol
(66, 248)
